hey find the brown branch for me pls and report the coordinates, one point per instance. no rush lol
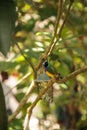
(23, 102)
(29, 110)
(60, 30)
(73, 74)
(49, 51)
(53, 42)
(59, 13)
(50, 83)
(33, 86)
(67, 13)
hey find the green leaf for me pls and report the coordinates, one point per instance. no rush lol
(75, 19)
(4, 65)
(7, 24)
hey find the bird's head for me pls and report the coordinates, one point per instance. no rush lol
(45, 64)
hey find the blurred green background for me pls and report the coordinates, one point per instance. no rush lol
(35, 21)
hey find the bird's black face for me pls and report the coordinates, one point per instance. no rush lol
(45, 64)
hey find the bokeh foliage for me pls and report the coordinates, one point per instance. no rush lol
(33, 32)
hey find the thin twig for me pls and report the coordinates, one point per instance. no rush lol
(22, 79)
(66, 16)
(53, 42)
(50, 49)
(59, 13)
(27, 59)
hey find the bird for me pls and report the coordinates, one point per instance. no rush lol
(44, 74)
(49, 71)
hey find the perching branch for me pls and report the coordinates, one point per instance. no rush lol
(73, 74)
(33, 86)
(50, 83)
(29, 110)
